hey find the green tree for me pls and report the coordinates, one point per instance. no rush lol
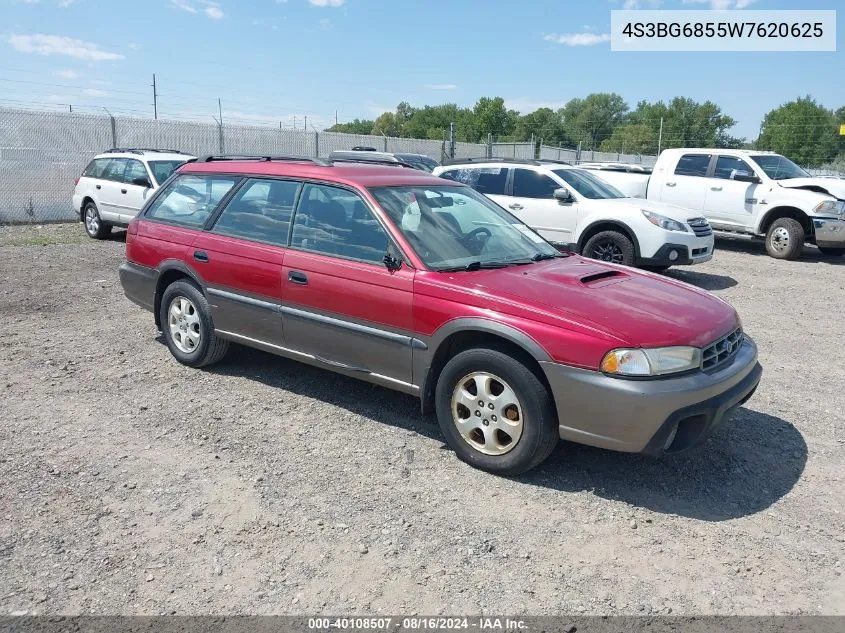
(490, 116)
(802, 130)
(593, 119)
(634, 138)
(356, 126)
(543, 123)
(385, 124)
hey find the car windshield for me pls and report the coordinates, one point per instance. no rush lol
(588, 185)
(779, 167)
(454, 228)
(163, 168)
(420, 162)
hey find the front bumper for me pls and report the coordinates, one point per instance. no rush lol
(829, 232)
(689, 249)
(642, 415)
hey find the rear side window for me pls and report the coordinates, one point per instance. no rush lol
(336, 222)
(96, 168)
(728, 166)
(189, 200)
(490, 181)
(532, 184)
(163, 168)
(115, 169)
(693, 165)
(260, 211)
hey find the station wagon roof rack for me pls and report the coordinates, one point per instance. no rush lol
(494, 159)
(372, 158)
(141, 150)
(213, 158)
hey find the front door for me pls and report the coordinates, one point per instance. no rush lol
(340, 302)
(532, 201)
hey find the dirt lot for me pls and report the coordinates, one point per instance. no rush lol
(131, 484)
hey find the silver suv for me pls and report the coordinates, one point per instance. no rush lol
(116, 184)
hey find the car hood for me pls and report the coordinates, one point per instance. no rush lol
(637, 204)
(638, 308)
(832, 186)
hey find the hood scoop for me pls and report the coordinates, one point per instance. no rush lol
(602, 277)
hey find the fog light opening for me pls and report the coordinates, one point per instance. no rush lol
(673, 255)
(668, 443)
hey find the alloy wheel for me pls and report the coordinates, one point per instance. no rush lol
(487, 413)
(184, 322)
(608, 252)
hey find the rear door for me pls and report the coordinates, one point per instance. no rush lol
(532, 201)
(340, 302)
(687, 185)
(108, 190)
(730, 203)
(244, 251)
(133, 194)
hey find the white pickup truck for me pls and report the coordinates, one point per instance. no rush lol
(750, 192)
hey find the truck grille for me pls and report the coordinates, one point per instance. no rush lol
(722, 350)
(700, 226)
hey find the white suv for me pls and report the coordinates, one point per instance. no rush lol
(575, 210)
(116, 184)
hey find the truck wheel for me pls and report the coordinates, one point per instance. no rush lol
(785, 239)
(829, 251)
(495, 412)
(610, 246)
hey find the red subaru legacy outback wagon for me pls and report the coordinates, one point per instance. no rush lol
(422, 285)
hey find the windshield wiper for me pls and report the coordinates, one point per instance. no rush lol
(474, 266)
(539, 257)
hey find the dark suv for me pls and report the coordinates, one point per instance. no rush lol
(423, 285)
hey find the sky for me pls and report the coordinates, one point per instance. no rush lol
(278, 61)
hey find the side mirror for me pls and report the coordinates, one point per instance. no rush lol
(141, 181)
(563, 195)
(391, 262)
(744, 176)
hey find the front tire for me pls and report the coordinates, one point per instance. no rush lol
(495, 412)
(785, 239)
(610, 246)
(829, 251)
(94, 225)
(185, 318)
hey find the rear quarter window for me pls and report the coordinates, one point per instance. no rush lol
(190, 199)
(96, 168)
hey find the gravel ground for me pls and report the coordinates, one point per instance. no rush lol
(134, 485)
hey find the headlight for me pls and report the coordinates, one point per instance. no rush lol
(651, 362)
(663, 222)
(831, 206)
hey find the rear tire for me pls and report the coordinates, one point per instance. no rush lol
(94, 225)
(185, 318)
(828, 251)
(610, 246)
(495, 412)
(785, 239)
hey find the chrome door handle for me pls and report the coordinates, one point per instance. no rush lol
(516, 207)
(715, 188)
(670, 184)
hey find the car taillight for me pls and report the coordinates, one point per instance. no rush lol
(132, 229)
(76, 182)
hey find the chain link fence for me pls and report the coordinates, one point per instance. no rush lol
(43, 153)
(588, 156)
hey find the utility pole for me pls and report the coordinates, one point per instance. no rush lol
(660, 138)
(220, 111)
(451, 140)
(294, 122)
(70, 107)
(335, 117)
(155, 98)
(306, 123)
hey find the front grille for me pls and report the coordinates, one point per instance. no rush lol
(700, 226)
(722, 350)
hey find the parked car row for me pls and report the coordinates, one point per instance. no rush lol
(421, 284)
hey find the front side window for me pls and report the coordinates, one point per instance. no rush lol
(336, 221)
(163, 168)
(135, 171)
(260, 211)
(453, 227)
(693, 165)
(532, 184)
(190, 199)
(490, 181)
(728, 166)
(779, 167)
(115, 169)
(588, 185)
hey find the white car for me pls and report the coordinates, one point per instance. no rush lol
(116, 184)
(577, 211)
(629, 179)
(751, 192)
